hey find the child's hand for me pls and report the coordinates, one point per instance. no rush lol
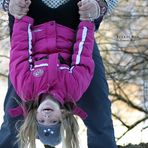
(88, 9)
(19, 8)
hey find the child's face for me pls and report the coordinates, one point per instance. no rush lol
(48, 112)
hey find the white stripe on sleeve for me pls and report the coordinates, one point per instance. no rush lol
(84, 34)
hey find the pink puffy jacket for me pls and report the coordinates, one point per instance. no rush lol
(35, 67)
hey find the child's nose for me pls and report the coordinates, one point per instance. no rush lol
(47, 116)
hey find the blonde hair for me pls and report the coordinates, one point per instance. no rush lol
(28, 130)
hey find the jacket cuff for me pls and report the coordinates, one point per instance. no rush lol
(90, 25)
(25, 19)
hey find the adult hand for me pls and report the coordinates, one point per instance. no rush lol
(19, 8)
(89, 9)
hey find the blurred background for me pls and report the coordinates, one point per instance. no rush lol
(123, 43)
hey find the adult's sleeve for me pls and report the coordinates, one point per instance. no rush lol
(1, 4)
(111, 4)
(4, 5)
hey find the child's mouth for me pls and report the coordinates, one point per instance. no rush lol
(47, 109)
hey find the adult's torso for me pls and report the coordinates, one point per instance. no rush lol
(65, 14)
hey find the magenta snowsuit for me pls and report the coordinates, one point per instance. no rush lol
(35, 67)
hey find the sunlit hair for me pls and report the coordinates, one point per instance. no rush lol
(28, 130)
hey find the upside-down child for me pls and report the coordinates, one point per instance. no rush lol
(51, 66)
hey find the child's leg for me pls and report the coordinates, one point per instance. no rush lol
(97, 105)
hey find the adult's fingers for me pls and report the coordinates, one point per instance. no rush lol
(88, 9)
(19, 12)
(19, 8)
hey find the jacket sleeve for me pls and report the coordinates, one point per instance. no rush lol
(19, 55)
(28, 76)
(76, 79)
